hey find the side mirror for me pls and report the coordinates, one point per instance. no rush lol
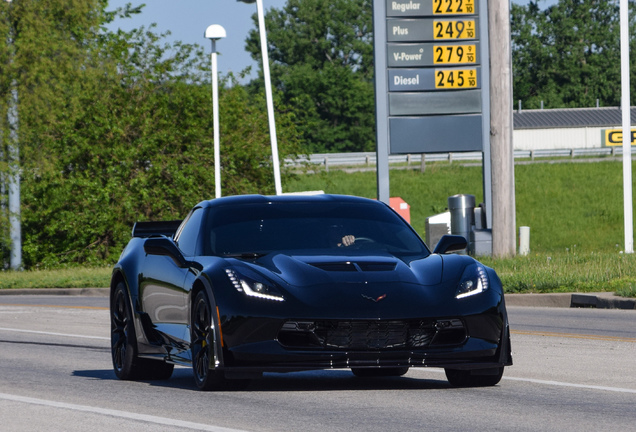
(450, 243)
(165, 247)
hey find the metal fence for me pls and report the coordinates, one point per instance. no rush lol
(369, 158)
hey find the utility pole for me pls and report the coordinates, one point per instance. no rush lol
(501, 149)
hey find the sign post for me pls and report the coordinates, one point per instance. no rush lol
(432, 80)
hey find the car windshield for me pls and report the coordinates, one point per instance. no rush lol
(251, 230)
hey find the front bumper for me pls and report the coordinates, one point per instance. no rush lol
(267, 345)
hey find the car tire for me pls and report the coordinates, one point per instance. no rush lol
(379, 372)
(203, 345)
(123, 340)
(466, 378)
(126, 362)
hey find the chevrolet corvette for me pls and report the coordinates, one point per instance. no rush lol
(252, 284)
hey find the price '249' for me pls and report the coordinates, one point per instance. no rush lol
(461, 29)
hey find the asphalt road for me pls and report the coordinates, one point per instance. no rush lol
(574, 370)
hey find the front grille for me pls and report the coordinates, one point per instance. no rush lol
(364, 335)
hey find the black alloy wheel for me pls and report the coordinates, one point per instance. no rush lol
(122, 336)
(203, 345)
(126, 363)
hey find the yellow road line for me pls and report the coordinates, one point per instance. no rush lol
(574, 336)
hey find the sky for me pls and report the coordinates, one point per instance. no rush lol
(188, 19)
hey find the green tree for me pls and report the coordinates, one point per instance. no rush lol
(322, 64)
(121, 132)
(567, 54)
(41, 55)
(144, 151)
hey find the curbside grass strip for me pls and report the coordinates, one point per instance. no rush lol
(88, 292)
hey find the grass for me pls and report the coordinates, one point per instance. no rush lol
(79, 277)
(566, 205)
(574, 210)
(567, 272)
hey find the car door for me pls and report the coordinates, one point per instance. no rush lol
(163, 294)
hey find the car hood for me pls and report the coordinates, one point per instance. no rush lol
(291, 270)
(349, 285)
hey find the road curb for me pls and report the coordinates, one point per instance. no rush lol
(572, 300)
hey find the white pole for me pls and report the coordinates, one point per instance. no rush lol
(215, 122)
(13, 159)
(524, 240)
(268, 96)
(627, 135)
(14, 181)
(214, 33)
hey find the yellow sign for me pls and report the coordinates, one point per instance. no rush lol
(448, 54)
(453, 30)
(453, 7)
(614, 137)
(455, 78)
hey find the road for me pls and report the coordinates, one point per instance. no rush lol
(574, 370)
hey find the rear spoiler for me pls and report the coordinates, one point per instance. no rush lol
(149, 229)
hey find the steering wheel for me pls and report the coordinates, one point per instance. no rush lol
(364, 240)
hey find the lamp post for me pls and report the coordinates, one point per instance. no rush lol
(214, 33)
(13, 159)
(268, 93)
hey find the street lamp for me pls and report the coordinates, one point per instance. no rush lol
(268, 93)
(13, 158)
(214, 33)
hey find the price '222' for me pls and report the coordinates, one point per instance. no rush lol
(455, 7)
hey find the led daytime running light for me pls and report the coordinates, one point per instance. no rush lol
(258, 290)
(474, 286)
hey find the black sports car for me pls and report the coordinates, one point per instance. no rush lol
(253, 284)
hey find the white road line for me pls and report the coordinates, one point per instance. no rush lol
(119, 414)
(53, 334)
(565, 384)
(546, 382)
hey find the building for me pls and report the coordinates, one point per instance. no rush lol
(569, 128)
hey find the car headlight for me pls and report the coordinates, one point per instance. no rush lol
(473, 281)
(252, 288)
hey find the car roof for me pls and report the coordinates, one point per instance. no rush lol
(288, 198)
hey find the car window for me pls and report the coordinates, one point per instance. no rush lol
(255, 228)
(189, 235)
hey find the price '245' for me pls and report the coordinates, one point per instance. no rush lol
(455, 78)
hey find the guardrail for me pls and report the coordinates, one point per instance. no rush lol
(369, 158)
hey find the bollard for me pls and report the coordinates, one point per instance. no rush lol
(524, 240)
(461, 208)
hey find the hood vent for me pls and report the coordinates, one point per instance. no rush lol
(348, 266)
